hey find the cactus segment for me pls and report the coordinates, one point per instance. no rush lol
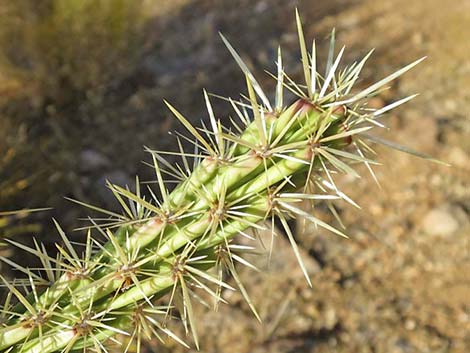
(160, 251)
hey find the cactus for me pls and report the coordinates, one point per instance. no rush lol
(159, 252)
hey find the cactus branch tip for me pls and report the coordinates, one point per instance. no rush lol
(140, 270)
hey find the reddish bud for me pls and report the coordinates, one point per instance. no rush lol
(305, 106)
(340, 110)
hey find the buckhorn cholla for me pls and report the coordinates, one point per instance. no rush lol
(162, 250)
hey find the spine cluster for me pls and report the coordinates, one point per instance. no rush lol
(159, 252)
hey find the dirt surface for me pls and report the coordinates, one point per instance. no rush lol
(400, 283)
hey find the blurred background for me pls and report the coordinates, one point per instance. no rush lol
(81, 89)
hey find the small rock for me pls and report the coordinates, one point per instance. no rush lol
(451, 104)
(417, 38)
(91, 160)
(458, 158)
(261, 7)
(330, 319)
(350, 21)
(410, 324)
(439, 222)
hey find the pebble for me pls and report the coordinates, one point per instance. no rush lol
(261, 7)
(410, 324)
(330, 319)
(91, 160)
(439, 222)
(459, 158)
(417, 38)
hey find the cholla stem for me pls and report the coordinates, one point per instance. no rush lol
(240, 181)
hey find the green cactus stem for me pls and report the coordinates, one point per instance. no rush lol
(160, 251)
